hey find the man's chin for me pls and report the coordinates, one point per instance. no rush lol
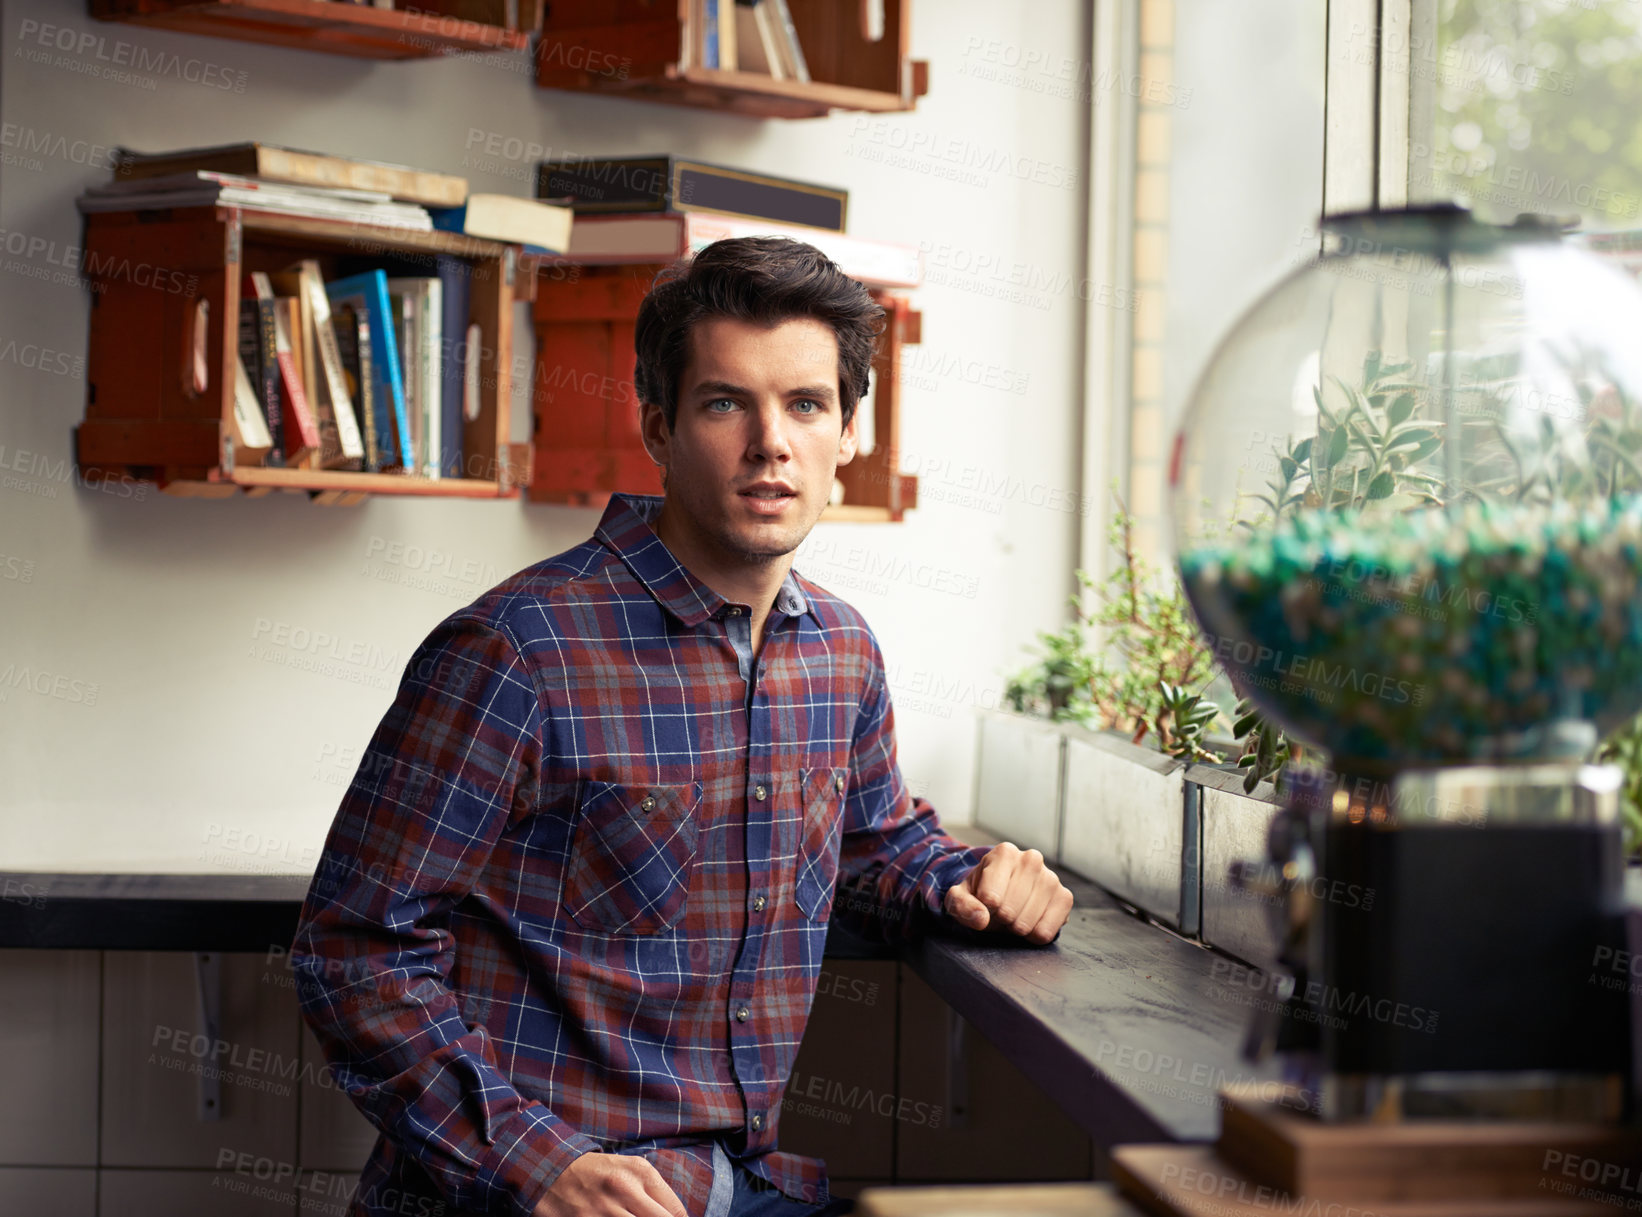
(768, 541)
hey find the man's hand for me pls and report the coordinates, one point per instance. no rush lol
(1011, 890)
(610, 1185)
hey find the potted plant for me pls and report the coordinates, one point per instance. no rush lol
(1133, 717)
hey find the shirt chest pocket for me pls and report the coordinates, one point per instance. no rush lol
(821, 795)
(632, 856)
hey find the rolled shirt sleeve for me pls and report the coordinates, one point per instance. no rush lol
(456, 756)
(895, 861)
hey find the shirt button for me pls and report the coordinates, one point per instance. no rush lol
(757, 1122)
(839, 783)
(759, 792)
(742, 1014)
(648, 803)
(735, 611)
(758, 904)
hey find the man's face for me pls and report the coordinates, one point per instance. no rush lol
(750, 460)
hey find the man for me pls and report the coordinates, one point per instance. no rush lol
(566, 929)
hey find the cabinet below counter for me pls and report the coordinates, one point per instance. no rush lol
(1131, 1029)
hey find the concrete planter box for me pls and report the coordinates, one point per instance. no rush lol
(1018, 784)
(1234, 827)
(1129, 816)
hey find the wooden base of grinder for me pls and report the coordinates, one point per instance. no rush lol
(1272, 1158)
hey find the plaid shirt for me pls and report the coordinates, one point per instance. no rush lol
(576, 896)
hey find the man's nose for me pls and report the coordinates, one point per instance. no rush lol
(769, 439)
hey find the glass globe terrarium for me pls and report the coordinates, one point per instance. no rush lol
(1408, 495)
(1408, 516)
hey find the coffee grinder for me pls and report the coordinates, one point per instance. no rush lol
(1408, 515)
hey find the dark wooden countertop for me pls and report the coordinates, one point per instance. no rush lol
(1124, 1024)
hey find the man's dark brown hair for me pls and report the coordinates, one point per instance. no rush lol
(762, 280)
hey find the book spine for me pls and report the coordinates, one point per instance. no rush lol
(375, 439)
(790, 47)
(344, 323)
(329, 449)
(707, 15)
(595, 184)
(453, 291)
(430, 331)
(330, 360)
(404, 320)
(257, 349)
(302, 431)
(271, 396)
(390, 380)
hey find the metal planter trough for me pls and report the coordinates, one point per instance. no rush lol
(1130, 824)
(1018, 785)
(1234, 827)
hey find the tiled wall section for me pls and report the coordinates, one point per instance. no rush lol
(101, 1057)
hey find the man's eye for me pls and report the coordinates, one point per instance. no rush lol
(815, 406)
(721, 401)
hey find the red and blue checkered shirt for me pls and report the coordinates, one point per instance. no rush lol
(576, 895)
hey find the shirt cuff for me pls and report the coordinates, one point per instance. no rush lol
(947, 873)
(530, 1151)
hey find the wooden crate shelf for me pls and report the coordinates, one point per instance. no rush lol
(151, 272)
(332, 26)
(639, 49)
(585, 410)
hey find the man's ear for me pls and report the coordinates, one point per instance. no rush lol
(653, 429)
(849, 438)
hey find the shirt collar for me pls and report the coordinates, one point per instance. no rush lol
(627, 528)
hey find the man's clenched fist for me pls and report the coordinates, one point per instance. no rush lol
(610, 1185)
(1011, 889)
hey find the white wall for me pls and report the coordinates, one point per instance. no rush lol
(171, 738)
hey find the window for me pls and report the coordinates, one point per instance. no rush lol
(1527, 106)
(1208, 174)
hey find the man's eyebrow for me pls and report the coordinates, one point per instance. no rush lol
(828, 392)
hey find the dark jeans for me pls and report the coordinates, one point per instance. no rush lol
(755, 1198)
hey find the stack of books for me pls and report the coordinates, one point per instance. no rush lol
(658, 208)
(369, 372)
(746, 36)
(264, 177)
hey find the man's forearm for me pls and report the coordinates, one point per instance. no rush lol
(397, 1043)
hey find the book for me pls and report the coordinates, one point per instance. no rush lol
(288, 318)
(728, 42)
(788, 50)
(454, 292)
(369, 292)
(330, 378)
(424, 296)
(706, 24)
(250, 430)
(279, 164)
(301, 428)
(200, 179)
(351, 332)
(755, 46)
(540, 227)
(336, 451)
(256, 349)
(404, 324)
(470, 374)
(611, 240)
(203, 189)
(368, 395)
(595, 185)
